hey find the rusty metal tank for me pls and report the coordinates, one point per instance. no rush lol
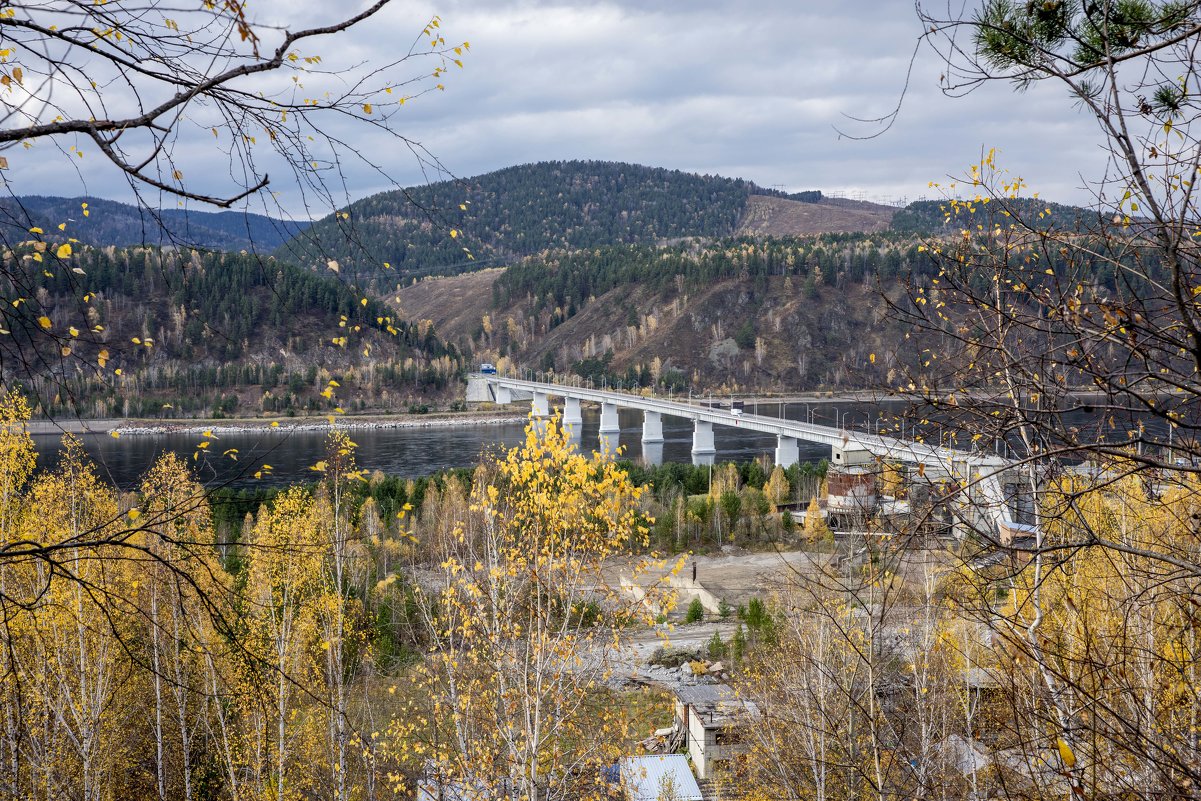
(852, 489)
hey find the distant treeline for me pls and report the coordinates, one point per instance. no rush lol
(565, 281)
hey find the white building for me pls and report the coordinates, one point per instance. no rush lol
(712, 717)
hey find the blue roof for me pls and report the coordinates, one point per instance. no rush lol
(647, 778)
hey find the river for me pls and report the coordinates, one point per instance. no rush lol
(418, 451)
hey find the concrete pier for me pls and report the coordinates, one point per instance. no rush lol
(788, 452)
(540, 405)
(504, 395)
(572, 418)
(608, 419)
(702, 438)
(652, 426)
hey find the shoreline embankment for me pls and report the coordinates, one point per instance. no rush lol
(287, 425)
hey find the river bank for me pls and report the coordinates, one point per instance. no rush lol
(285, 425)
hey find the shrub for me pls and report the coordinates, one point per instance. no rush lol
(717, 648)
(696, 612)
(738, 644)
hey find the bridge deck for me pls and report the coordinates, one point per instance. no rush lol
(981, 470)
(882, 447)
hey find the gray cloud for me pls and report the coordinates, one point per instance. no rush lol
(758, 91)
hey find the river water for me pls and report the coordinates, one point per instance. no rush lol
(413, 452)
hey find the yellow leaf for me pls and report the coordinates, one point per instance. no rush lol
(366, 108)
(44, 322)
(872, 358)
(453, 233)
(1065, 753)
(134, 514)
(64, 251)
(115, 434)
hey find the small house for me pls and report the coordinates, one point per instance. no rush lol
(713, 719)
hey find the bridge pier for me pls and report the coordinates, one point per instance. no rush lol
(610, 429)
(702, 438)
(504, 395)
(608, 420)
(540, 405)
(572, 418)
(652, 426)
(787, 451)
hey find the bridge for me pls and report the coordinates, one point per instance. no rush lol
(981, 473)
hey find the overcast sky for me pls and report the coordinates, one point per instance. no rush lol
(752, 90)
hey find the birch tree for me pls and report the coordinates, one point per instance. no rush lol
(525, 626)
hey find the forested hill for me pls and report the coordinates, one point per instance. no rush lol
(190, 333)
(108, 222)
(757, 314)
(520, 211)
(934, 217)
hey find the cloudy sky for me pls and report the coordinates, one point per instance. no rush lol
(754, 90)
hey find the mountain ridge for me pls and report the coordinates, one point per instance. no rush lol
(100, 222)
(522, 210)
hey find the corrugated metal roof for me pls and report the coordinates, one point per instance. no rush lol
(705, 693)
(649, 778)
